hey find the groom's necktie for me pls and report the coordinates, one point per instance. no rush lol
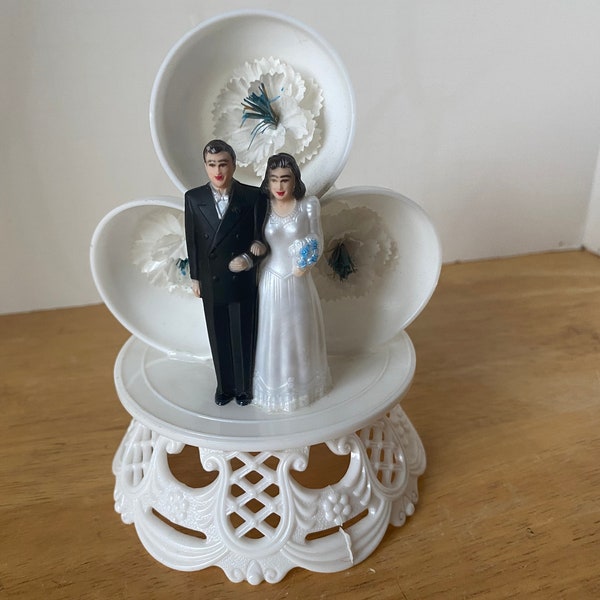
(222, 204)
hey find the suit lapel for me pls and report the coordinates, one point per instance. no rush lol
(235, 211)
(206, 205)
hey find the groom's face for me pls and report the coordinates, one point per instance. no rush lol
(220, 169)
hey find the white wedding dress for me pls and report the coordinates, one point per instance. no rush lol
(291, 368)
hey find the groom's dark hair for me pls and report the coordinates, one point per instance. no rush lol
(216, 146)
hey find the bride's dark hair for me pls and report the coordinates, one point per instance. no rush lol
(283, 160)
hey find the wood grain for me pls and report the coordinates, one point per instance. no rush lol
(506, 399)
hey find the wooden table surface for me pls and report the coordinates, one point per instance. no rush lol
(506, 400)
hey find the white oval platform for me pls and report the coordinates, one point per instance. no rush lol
(176, 399)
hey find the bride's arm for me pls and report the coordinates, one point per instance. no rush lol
(310, 248)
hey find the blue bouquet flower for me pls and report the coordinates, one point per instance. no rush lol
(308, 254)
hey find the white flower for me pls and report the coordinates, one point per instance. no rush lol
(160, 248)
(337, 507)
(372, 249)
(296, 103)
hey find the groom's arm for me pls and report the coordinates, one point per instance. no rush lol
(258, 248)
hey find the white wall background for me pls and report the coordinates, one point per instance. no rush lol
(485, 112)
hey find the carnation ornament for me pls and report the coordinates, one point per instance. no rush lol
(212, 71)
(160, 251)
(286, 105)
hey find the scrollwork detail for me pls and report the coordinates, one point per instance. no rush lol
(325, 529)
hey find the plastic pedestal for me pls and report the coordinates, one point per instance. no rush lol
(254, 519)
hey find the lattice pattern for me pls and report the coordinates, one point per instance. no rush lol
(138, 450)
(254, 488)
(384, 452)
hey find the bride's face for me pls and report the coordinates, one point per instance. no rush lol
(281, 184)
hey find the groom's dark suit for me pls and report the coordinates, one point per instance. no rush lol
(230, 299)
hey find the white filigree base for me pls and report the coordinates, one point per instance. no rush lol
(263, 493)
(254, 520)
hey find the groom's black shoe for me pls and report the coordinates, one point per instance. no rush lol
(243, 399)
(223, 398)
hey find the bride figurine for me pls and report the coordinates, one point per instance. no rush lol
(291, 368)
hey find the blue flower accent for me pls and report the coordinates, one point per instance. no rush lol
(183, 266)
(258, 107)
(309, 253)
(341, 262)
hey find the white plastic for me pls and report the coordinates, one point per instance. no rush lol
(174, 323)
(175, 399)
(327, 529)
(255, 520)
(392, 294)
(198, 67)
(168, 390)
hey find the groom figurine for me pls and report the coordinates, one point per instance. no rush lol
(224, 222)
